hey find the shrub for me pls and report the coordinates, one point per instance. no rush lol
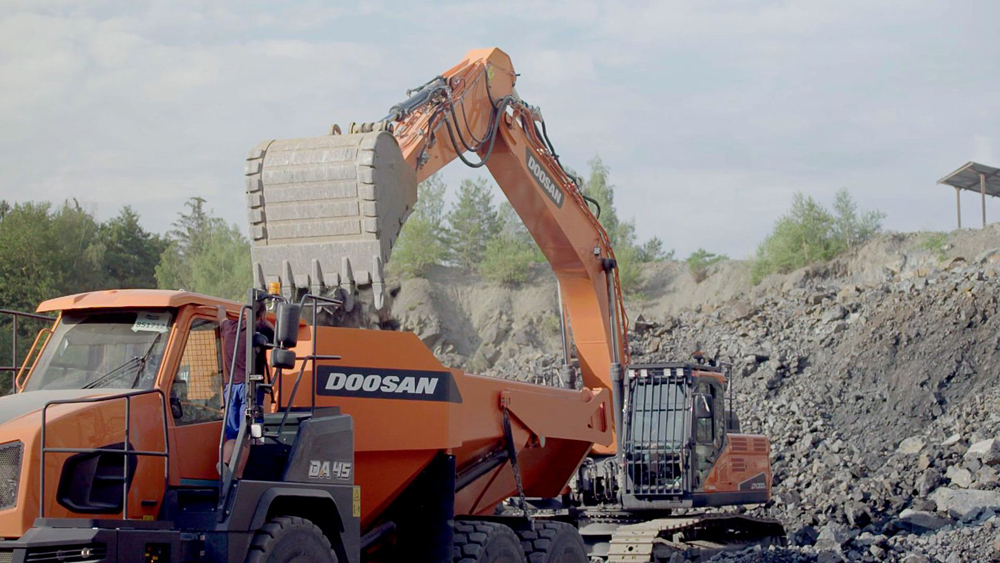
(507, 259)
(935, 243)
(700, 260)
(810, 233)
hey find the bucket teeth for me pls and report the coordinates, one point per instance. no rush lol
(327, 204)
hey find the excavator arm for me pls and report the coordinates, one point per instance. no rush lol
(323, 209)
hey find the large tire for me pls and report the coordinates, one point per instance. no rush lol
(486, 542)
(290, 539)
(553, 542)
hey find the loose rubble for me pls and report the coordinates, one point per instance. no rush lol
(881, 402)
(875, 378)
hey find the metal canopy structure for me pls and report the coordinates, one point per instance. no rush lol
(975, 177)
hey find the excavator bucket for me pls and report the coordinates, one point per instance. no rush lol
(324, 212)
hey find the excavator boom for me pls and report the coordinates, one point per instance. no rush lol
(325, 212)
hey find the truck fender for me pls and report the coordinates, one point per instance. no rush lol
(332, 514)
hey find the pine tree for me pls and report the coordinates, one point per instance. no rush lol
(420, 245)
(130, 252)
(472, 222)
(205, 255)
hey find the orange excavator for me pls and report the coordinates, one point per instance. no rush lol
(357, 444)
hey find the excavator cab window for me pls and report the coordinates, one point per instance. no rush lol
(704, 418)
(707, 427)
(196, 393)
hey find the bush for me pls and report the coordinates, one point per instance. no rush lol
(935, 243)
(507, 259)
(810, 233)
(700, 260)
(419, 245)
(418, 248)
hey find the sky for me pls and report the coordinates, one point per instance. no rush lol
(710, 114)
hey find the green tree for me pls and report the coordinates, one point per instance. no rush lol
(652, 251)
(810, 233)
(472, 222)
(130, 252)
(851, 228)
(511, 252)
(44, 253)
(630, 253)
(222, 265)
(508, 258)
(205, 255)
(419, 245)
(599, 188)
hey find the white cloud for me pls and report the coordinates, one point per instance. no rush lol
(709, 114)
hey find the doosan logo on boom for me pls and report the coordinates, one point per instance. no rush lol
(545, 181)
(384, 383)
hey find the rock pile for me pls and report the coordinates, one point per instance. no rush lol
(881, 402)
(875, 377)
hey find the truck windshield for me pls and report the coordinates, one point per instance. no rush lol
(114, 349)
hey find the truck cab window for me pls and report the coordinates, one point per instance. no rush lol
(196, 394)
(103, 350)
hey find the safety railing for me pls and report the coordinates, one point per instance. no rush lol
(14, 368)
(125, 450)
(316, 301)
(658, 432)
(246, 315)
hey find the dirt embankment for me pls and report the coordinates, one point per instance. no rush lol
(875, 376)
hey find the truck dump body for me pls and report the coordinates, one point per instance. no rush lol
(408, 408)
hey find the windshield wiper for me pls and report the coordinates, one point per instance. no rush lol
(144, 359)
(140, 360)
(111, 373)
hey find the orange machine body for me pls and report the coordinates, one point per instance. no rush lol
(743, 465)
(396, 438)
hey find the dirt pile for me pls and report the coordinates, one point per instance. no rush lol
(875, 376)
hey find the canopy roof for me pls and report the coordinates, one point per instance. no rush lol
(968, 176)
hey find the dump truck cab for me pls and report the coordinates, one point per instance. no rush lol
(143, 370)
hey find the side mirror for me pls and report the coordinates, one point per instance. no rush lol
(702, 406)
(286, 330)
(176, 409)
(284, 359)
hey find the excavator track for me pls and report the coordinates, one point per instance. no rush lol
(695, 537)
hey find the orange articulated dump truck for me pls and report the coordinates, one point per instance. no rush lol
(125, 442)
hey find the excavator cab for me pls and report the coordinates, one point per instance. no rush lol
(680, 446)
